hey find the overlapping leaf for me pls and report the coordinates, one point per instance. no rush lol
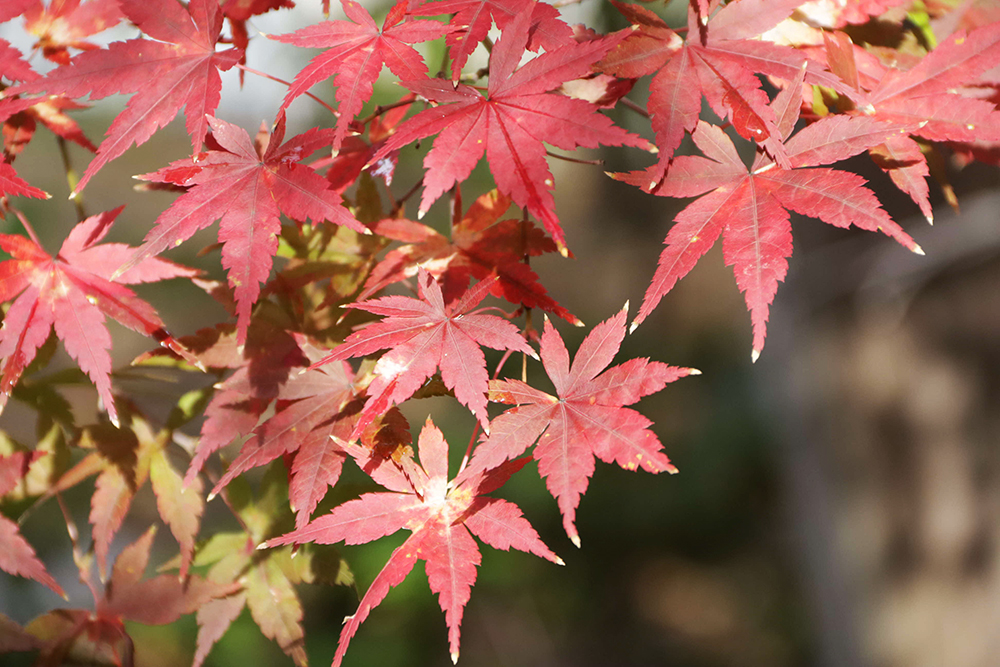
(311, 415)
(179, 69)
(440, 516)
(356, 51)
(123, 460)
(511, 122)
(481, 244)
(248, 185)
(585, 419)
(73, 292)
(80, 636)
(472, 20)
(264, 581)
(718, 60)
(65, 24)
(929, 98)
(424, 335)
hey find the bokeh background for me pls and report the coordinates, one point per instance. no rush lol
(837, 502)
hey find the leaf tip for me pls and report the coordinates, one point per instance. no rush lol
(454, 657)
(421, 213)
(262, 546)
(754, 356)
(635, 325)
(917, 250)
(211, 497)
(693, 371)
(575, 539)
(559, 561)
(563, 250)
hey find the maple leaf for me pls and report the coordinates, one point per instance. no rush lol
(16, 555)
(180, 69)
(73, 292)
(473, 19)
(64, 24)
(310, 412)
(750, 208)
(13, 8)
(261, 366)
(425, 334)
(440, 517)
(12, 184)
(718, 60)
(123, 460)
(511, 122)
(248, 185)
(481, 245)
(355, 52)
(239, 12)
(929, 97)
(585, 419)
(264, 581)
(20, 122)
(79, 636)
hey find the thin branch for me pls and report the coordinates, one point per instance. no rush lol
(409, 193)
(381, 109)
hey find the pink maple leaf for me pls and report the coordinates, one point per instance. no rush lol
(586, 418)
(441, 517)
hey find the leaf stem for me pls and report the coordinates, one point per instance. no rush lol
(27, 225)
(251, 70)
(577, 160)
(629, 104)
(409, 193)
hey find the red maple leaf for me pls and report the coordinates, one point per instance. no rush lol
(239, 12)
(248, 185)
(16, 555)
(931, 97)
(473, 19)
(64, 24)
(12, 184)
(585, 419)
(481, 244)
(440, 516)
(750, 208)
(425, 334)
(181, 69)
(310, 412)
(511, 122)
(73, 292)
(718, 60)
(12, 8)
(355, 53)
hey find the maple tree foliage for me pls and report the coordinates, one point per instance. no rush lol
(345, 308)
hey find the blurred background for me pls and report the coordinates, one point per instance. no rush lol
(837, 502)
